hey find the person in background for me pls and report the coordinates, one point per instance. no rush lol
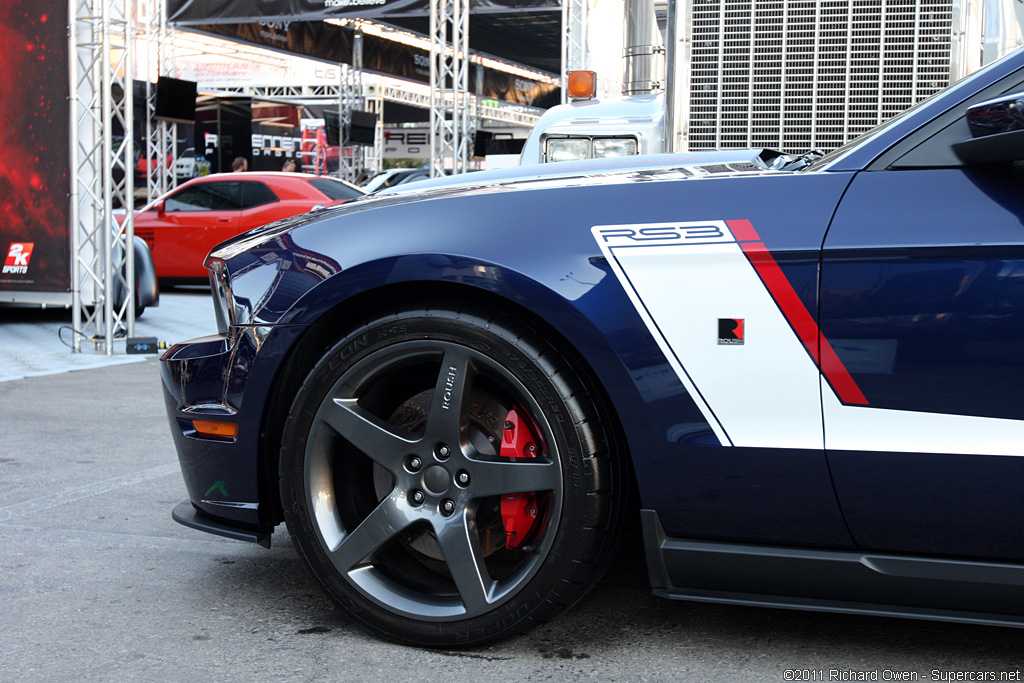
(289, 166)
(240, 165)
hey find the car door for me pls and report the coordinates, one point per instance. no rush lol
(192, 221)
(922, 297)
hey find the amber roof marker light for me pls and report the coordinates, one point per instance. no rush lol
(582, 85)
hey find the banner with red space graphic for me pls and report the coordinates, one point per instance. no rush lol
(34, 148)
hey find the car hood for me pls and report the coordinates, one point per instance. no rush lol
(702, 163)
(588, 172)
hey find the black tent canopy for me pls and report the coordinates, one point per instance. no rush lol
(524, 31)
(238, 11)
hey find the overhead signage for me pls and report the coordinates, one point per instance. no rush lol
(414, 143)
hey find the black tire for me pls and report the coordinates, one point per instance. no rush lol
(368, 433)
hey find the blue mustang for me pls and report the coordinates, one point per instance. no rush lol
(803, 373)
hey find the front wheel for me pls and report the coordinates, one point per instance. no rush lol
(447, 478)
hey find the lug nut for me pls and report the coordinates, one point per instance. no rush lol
(462, 478)
(415, 463)
(447, 506)
(416, 497)
(443, 451)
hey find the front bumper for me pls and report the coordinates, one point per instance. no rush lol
(225, 378)
(185, 513)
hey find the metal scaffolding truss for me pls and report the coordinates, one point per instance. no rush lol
(103, 268)
(373, 157)
(282, 91)
(351, 98)
(409, 97)
(452, 110)
(515, 115)
(574, 40)
(160, 135)
(519, 115)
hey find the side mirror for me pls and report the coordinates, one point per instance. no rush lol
(997, 132)
(159, 207)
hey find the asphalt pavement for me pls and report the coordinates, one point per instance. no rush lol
(97, 583)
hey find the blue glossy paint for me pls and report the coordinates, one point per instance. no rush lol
(932, 504)
(225, 378)
(921, 309)
(923, 296)
(512, 243)
(923, 300)
(914, 277)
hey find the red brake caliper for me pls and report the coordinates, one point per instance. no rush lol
(518, 511)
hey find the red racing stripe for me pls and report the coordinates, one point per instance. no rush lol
(743, 231)
(796, 313)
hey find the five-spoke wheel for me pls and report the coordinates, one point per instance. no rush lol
(431, 474)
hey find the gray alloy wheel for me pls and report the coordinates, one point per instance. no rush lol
(431, 478)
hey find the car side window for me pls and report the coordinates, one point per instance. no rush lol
(256, 194)
(217, 196)
(931, 146)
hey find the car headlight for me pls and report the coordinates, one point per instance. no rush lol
(571, 149)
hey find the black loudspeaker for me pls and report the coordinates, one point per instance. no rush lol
(486, 143)
(175, 100)
(332, 126)
(362, 129)
(480, 141)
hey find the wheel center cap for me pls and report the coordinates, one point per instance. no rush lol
(436, 480)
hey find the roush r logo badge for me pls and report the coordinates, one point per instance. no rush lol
(730, 331)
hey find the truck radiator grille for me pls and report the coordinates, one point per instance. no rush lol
(818, 62)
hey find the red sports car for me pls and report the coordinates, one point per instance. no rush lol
(182, 226)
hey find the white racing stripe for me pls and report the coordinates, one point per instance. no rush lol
(764, 393)
(768, 392)
(859, 428)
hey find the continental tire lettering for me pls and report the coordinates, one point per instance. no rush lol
(392, 331)
(359, 342)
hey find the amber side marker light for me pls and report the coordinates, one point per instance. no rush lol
(218, 430)
(582, 84)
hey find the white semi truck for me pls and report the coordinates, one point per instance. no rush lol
(790, 75)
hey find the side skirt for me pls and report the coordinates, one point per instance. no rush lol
(833, 581)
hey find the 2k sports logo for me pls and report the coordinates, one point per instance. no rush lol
(18, 255)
